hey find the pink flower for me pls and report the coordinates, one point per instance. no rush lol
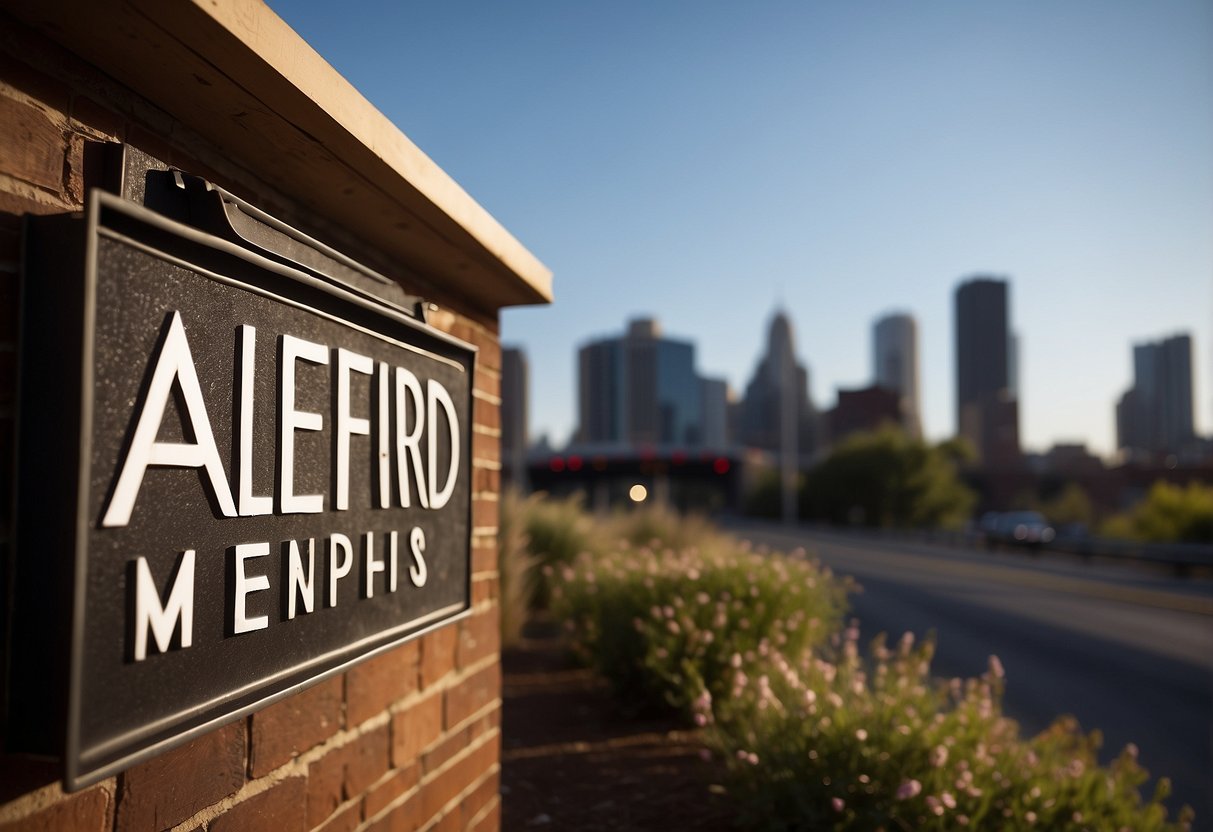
(908, 789)
(861, 735)
(838, 803)
(939, 756)
(996, 669)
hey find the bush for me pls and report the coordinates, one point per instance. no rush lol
(557, 531)
(515, 566)
(831, 742)
(662, 624)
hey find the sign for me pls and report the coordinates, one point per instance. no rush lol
(242, 475)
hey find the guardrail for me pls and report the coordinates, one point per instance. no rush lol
(1184, 559)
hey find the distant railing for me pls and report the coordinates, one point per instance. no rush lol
(1185, 559)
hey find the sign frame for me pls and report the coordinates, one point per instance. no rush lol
(53, 521)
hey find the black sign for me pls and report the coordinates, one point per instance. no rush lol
(241, 473)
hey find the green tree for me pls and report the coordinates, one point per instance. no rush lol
(887, 479)
(1169, 514)
(1072, 505)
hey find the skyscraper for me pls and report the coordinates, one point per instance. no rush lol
(1155, 415)
(895, 364)
(641, 389)
(987, 413)
(515, 380)
(778, 396)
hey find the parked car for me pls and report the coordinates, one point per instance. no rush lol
(1023, 528)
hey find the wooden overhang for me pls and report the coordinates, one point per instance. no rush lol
(236, 74)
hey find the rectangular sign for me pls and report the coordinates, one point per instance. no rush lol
(249, 476)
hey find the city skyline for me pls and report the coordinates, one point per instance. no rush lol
(707, 166)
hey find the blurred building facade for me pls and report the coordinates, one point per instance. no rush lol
(515, 390)
(641, 389)
(987, 411)
(1155, 416)
(777, 413)
(895, 365)
(865, 410)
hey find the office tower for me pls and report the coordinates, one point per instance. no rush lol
(639, 390)
(867, 409)
(895, 365)
(1155, 415)
(987, 412)
(777, 409)
(714, 394)
(515, 381)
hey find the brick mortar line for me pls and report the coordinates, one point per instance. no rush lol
(485, 530)
(49, 796)
(496, 704)
(53, 114)
(296, 767)
(488, 807)
(487, 464)
(416, 790)
(486, 397)
(454, 803)
(407, 701)
(483, 431)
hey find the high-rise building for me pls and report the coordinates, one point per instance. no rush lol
(640, 389)
(714, 394)
(895, 365)
(777, 407)
(515, 381)
(987, 412)
(1155, 416)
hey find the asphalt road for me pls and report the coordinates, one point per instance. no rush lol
(1125, 649)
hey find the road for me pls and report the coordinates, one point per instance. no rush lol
(1124, 649)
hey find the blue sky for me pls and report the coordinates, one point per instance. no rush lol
(703, 162)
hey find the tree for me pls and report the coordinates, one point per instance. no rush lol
(1169, 514)
(887, 479)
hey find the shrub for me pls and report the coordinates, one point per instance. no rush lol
(515, 567)
(557, 531)
(662, 624)
(1169, 514)
(830, 742)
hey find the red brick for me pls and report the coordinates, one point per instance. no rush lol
(486, 414)
(489, 356)
(480, 797)
(472, 694)
(437, 655)
(484, 447)
(488, 381)
(404, 818)
(416, 729)
(170, 788)
(278, 809)
(486, 479)
(32, 145)
(382, 795)
(151, 143)
(325, 781)
(485, 589)
(479, 637)
(491, 822)
(37, 85)
(485, 513)
(89, 811)
(373, 685)
(294, 725)
(484, 558)
(366, 761)
(446, 786)
(347, 820)
(449, 823)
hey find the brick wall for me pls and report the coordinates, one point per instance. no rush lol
(409, 740)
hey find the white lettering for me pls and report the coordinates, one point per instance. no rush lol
(298, 584)
(348, 425)
(373, 567)
(250, 506)
(162, 619)
(292, 420)
(384, 432)
(173, 363)
(417, 572)
(246, 584)
(393, 545)
(437, 395)
(407, 443)
(339, 541)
